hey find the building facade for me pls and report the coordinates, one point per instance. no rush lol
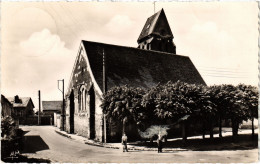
(51, 107)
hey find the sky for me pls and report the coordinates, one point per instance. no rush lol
(40, 40)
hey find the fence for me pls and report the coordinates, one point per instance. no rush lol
(33, 120)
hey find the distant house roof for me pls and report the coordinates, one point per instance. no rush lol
(52, 105)
(138, 67)
(151, 25)
(23, 101)
(5, 99)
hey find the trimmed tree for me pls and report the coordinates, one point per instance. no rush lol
(123, 103)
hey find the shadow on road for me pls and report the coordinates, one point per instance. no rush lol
(24, 159)
(242, 142)
(32, 144)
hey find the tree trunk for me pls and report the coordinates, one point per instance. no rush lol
(220, 126)
(234, 129)
(151, 140)
(184, 136)
(165, 139)
(203, 129)
(253, 128)
(211, 129)
(123, 126)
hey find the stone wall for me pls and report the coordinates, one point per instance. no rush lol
(81, 80)
(98, 118)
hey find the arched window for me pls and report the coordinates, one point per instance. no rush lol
(82, 98)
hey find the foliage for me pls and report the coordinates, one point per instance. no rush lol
(249, 99)
(124, 104)
(8, 128)
(11, 140)
(171, 101)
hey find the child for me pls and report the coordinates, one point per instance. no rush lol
(159, 143)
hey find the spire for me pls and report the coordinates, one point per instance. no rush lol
(157, 29)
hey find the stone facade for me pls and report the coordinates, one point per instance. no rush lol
(83, 111)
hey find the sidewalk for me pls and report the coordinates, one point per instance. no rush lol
(110, 145)
(226, 132)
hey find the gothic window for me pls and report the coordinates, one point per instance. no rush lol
(82, 98)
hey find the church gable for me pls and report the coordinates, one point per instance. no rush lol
(80, 74)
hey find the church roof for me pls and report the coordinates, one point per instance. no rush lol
(138, 67)
(150, 25)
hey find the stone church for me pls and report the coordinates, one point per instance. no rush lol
(99, 67)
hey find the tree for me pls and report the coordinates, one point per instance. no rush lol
(123, 103)
(250, 101)
(172, 101)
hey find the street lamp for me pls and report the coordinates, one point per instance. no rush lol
(63, 105)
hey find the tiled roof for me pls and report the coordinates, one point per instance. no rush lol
(24, 101)
(138, 67)
(150, 25)
(51, 105)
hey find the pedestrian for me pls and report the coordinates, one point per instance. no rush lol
(159, 143)
(124, 142)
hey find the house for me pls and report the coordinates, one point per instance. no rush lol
(7, 107)
(100, 66)
(51, 107)
(23, 107)
(8, 110)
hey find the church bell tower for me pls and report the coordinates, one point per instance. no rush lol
(157, 35)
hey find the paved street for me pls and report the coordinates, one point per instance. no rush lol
(44, 142)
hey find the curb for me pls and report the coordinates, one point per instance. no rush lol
(60, 133)
(93, 143)
(86, 142)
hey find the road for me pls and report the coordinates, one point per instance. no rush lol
(44, 142)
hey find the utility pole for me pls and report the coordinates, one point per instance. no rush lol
(104, 91)
(39, 111)
(63, 105)
(154, 7)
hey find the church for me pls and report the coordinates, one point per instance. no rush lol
(99, 67)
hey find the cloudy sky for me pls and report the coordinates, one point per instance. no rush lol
(40, 40)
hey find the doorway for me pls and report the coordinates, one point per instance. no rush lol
(72, 110)
(92, 113)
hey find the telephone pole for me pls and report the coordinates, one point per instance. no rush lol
(39, 111)
(63, 106)
(104, 91)
(154, 7)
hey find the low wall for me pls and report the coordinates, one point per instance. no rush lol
(33, 120)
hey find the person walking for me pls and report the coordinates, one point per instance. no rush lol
(124, 142)
(159, 143)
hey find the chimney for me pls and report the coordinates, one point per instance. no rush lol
(16, 99)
